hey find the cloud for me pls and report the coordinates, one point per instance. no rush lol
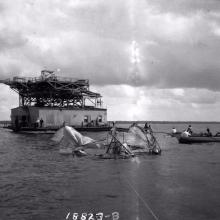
(9, 99)
(177, 44)
(184, 66)
(94, 40)
(187, 6)
(141, 103)
(11, 39)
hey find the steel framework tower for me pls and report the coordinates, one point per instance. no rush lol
(54, 91)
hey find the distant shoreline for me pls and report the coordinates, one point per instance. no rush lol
(169, 122)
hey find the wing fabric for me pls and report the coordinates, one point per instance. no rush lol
(69, 136)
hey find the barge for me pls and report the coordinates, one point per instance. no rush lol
(49, 101)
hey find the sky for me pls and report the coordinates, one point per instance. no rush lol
(150, 60)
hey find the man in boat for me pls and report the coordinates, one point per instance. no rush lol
(174, 130)
(189, 130)
(209, 133)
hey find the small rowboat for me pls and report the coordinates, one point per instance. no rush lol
(198, 139)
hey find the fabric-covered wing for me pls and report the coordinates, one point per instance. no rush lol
(57, 137)
(136, 137)
(75, 137)
(134, 140)
(137, 131)
(69, 136)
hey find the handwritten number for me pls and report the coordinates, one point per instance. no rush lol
(115, 215)
(83, 216)
(90, 216)
(75, 216)
(67, 216)
(99, 216)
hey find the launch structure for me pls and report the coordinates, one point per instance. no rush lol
(51, 90)
(54, 100)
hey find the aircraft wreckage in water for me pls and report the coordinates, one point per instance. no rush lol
(122, 145)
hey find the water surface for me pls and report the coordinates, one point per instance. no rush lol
(36, 182)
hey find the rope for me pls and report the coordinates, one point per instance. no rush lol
(143, 201)
(161, 132)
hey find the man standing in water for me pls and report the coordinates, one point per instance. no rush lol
(148, 128)
(113, 130)
(116, 148)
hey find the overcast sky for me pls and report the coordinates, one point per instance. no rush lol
(151, 60)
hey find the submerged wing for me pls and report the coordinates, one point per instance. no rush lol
(136, 137)
(57, 137)
(70, 137)
(139, 133)
(134, 140)
(75, 137)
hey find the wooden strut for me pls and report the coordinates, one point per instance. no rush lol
(114, 138)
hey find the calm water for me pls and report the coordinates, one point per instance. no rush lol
(38, 183)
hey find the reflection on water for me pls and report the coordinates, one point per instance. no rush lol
(39, 183)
